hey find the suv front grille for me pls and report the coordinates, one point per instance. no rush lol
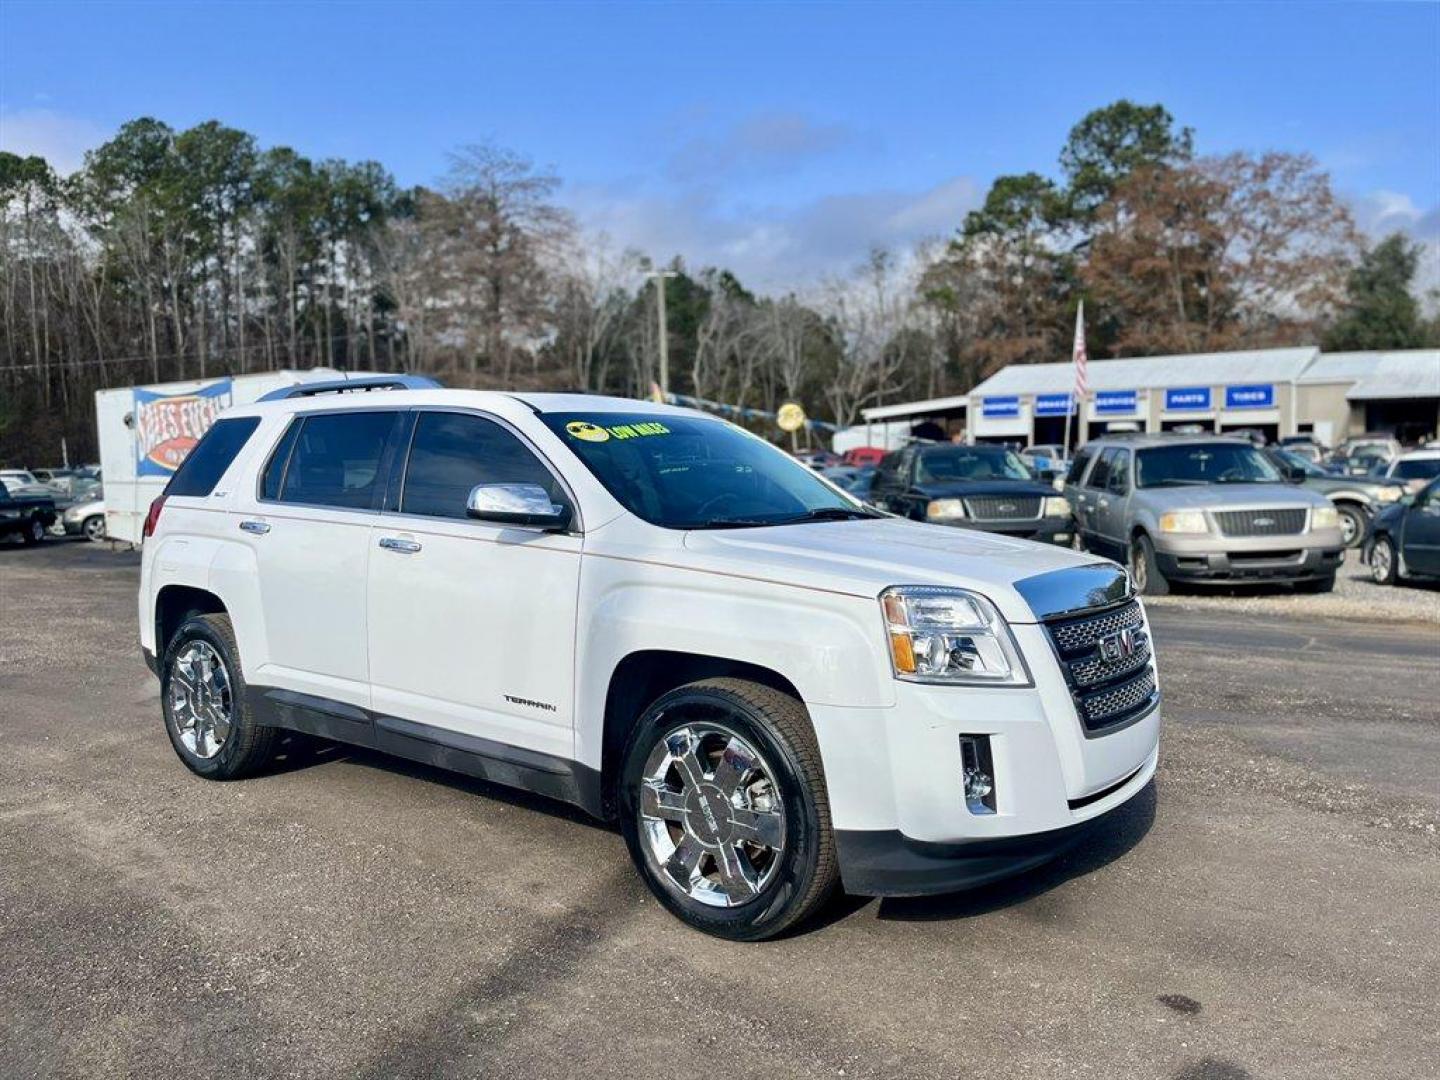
(1000, 508)
(1108, 665)
(1286, 522)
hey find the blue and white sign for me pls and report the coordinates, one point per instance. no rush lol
(1000, 407)
(1253, 396)
(1111, 402)
(1053, 404)
(1187, 398)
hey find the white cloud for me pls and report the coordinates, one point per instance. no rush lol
(60, 139)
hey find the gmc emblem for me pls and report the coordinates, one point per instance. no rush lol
(1117, 646)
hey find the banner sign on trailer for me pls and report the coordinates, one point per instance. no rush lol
(1183, 398)
(1255, 396)
(1116, 401)
(1053, 404)
(999, 407)
(167, 426)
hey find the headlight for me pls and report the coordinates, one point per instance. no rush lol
(944, 509)
(949, 636)
(1324, 517)
(1388, 494)
(1183, 521)
(1056, 507)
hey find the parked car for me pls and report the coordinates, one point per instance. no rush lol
(1255, 436)
(1201, 509)
(29, 516)
(18, 479)
(1049, 461)
(1404, 539)
(651, 614)
(85, 519)
(975, 487)
(862, 456)
(1356, 498)
(1361, 455)
(1414, 469)
(856, 480)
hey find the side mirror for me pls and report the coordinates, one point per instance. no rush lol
(517, 504)
(1050, 475)
(1294, 474)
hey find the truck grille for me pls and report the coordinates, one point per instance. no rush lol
(1108, 665)
(1000, 508)
(1261, 522)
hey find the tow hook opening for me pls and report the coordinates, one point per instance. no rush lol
(977, 771)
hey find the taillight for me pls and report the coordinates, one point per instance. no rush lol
(153, 517)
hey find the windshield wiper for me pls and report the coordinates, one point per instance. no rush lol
(830, 513)
(734, 523)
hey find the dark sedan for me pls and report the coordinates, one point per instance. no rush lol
(1404, 539)
(974, 487)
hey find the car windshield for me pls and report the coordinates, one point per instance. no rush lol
(691, 472)
(969, 463)
(1297, 461)
(1417, 469)
(1203, 463)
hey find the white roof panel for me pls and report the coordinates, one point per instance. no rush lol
(916, 408)
(1154, 372)
(1414, 373)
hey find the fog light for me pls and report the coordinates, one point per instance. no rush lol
(977, 771)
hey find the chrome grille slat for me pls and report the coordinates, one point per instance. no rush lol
(1001, 508)
(1110, 705)
(1289, 521)
(1107, 690)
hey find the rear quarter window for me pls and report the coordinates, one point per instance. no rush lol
(203, 466)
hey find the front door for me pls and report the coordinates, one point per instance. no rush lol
(1421, 535)
(472, 624)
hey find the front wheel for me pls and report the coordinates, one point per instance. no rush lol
(1353, 523)
(1383, 563)
(724, 809)
(35, 531)
(94, 527)
(1145, 570)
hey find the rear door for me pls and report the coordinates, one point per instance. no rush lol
(308, 523)
(471, 623)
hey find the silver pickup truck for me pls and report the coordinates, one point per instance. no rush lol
(1201, 509)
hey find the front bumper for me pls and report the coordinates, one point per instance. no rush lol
(1291, 564)
(1046, 530)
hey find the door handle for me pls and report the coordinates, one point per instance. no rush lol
(259, 528)
(394, 543)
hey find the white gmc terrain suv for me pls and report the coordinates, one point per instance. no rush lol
(653, 615)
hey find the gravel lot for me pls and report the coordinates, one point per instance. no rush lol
(1266, 909)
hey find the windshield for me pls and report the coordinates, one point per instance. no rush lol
(1203, 463)
(684, 472)
(969, 463)
(1296, 461)
(1417, 469)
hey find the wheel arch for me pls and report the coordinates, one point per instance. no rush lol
(175, 603)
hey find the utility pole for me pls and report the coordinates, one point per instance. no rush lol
(660, 276)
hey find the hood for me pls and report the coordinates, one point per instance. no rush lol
(863, 558)
(1232, 496)
(950, 489)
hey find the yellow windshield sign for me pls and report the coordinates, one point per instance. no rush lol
(580, 429)
(588, 432)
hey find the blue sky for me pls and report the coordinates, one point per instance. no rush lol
(782, 140)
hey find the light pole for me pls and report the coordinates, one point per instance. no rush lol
(660, 276)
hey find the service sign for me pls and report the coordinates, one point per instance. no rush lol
(167, 426)
(1255, 396)
(1110, 402)
(1000, 407)
(1187, 398)
(1053, 404)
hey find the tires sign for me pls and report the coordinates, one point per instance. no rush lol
(1253, 396)
(167, 426)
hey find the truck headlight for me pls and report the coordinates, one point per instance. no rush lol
(950, 636)
(1324, 517)
(944, 509)
(1183, 521)
(1388, 494)
(1055, 506)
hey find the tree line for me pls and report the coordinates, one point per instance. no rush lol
(192, 254)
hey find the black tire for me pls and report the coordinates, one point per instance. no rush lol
(1353, 522)
(777, 726)
(1145, 569)
(249, 746)
(93, 527)
(34, 530)
(1386, 569)
(1316, 585)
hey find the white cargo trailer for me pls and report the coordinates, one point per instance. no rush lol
(146, 431)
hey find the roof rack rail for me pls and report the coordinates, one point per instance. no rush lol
(340, 386)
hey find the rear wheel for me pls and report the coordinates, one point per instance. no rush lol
(1352, 524)
(94, 527)
(1383, 563)
(34, 530)
(1145, 571)
(202, 694)
(724, 809)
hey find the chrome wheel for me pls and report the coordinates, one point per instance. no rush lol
(1381, 559)
(201, 703)
(711, 815)
(1139, 572)
(94, 528)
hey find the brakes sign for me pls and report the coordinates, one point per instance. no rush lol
(167, 426)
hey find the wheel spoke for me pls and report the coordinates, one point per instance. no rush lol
(683, 861)
(736, 763)
(658, 801)
(764, 827)
(735, 876)
(682, 745)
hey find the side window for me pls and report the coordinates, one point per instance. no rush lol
(1100, 475)
(453, 452)
(206, 463)
(1077, 467)
(336, 460)
(279, 459)
(889, 471)
(1120, 473)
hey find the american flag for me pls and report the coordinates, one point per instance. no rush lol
(1081, 385)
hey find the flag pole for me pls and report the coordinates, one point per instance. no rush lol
(1080, 386)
